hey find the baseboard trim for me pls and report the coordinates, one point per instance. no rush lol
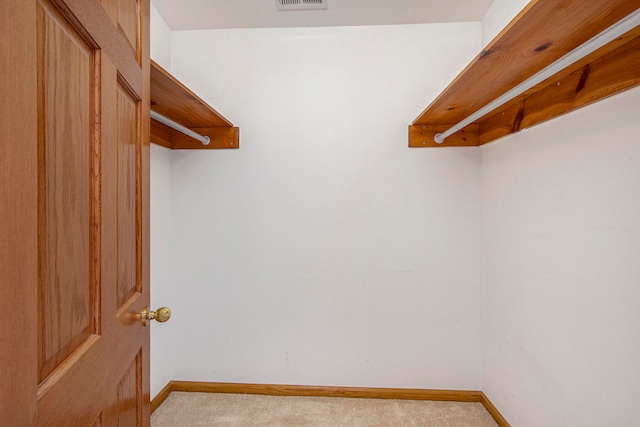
(162, 396)
(502, 422)
(322, 391)
(326, 391)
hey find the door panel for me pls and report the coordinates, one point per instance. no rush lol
(18, 213)
(92, 213)
(74, 229)
(129, 23)
(128, 143)
(129, 396)
(67, 314)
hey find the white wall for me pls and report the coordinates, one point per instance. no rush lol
(325, 251)
(498, 16)
(560, 235)
(561, 269)
(162, 347)
(160, 39)
(160, 218)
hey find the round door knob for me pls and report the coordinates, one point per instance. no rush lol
(160, 315)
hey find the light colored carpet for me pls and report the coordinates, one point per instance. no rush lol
(211, 409)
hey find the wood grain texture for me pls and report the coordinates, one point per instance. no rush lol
(145, 204)
(607, 75)
(95, 383)
(174, 100)
(497, 416)
(542, 33)
(129, 24)
(105, 35)
(221, 137)
(422, 136)
(60, 390)
(354, 392)
(86, 389)
(129, 404)
(18, 213)
(128, 146)
(161, 134)
(66, 91)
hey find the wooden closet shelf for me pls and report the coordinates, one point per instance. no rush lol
(543, 32)
(175, 101)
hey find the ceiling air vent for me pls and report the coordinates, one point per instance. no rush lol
(301, 4)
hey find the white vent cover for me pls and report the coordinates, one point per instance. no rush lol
(301, 4)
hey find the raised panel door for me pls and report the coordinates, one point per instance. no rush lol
(80, 273)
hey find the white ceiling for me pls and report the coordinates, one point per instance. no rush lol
(210, 14)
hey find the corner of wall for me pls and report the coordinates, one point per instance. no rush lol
(161, 36)
(161, 271)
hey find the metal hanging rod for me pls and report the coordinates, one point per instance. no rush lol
(613, 32)
(177, 126)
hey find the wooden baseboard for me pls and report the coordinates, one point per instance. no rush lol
(160, 397)
(502, 422)
(323, 391)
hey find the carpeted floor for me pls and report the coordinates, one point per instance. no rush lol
(210, 409)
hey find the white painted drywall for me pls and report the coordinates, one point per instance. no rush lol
(324, 251)
(160, 39)
(561, 269)
(162, 347)
(160, 225)
(500, 13)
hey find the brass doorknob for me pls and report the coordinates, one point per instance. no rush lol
(160, 315)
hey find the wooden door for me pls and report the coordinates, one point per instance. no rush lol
(74, 219)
